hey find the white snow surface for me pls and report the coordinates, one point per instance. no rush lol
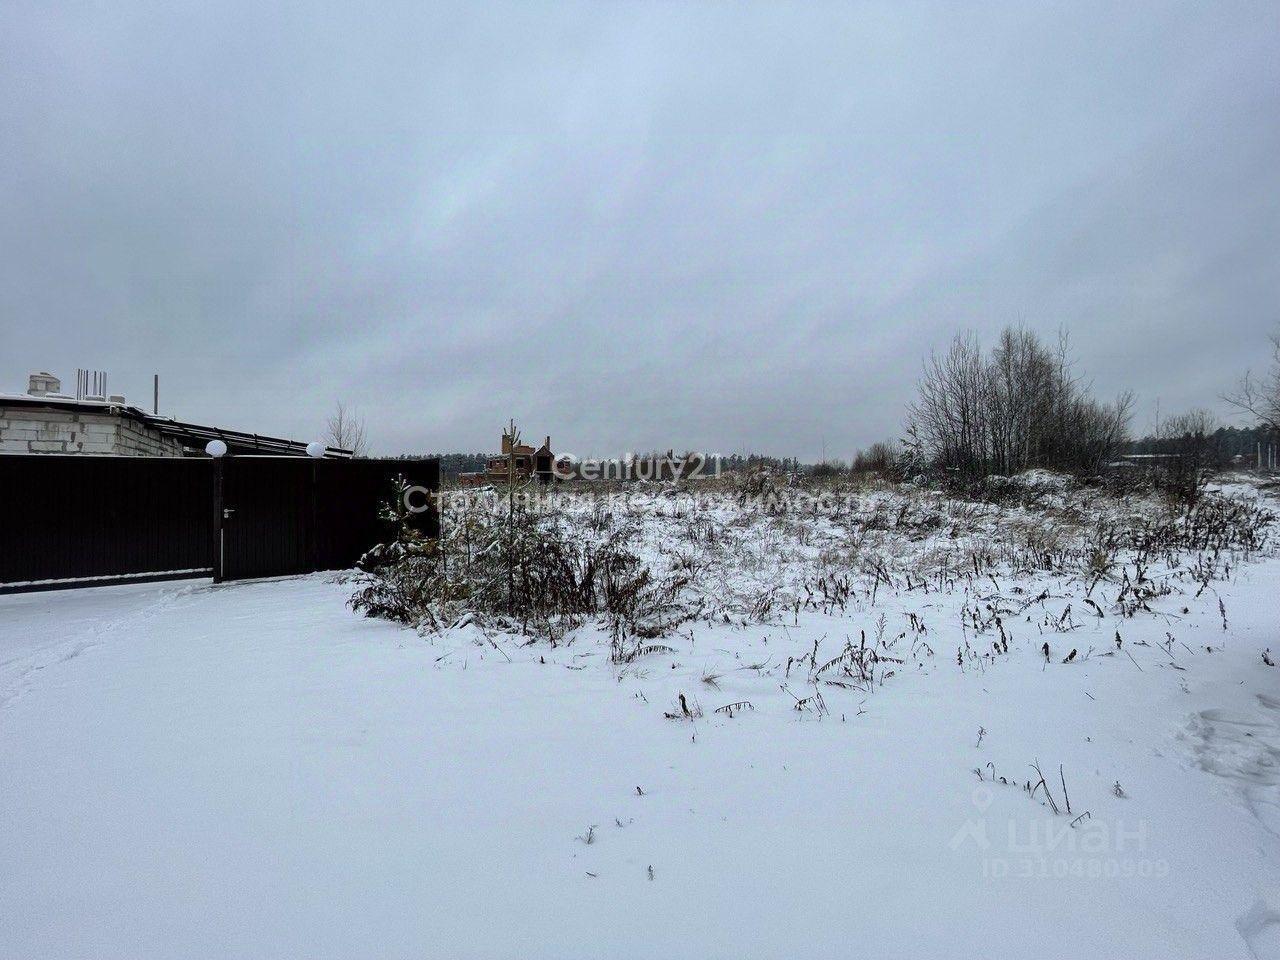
(252, 771)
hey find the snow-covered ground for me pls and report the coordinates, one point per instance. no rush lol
(251, 770)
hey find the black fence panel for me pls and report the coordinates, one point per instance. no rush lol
(72, 518)
(80, 521)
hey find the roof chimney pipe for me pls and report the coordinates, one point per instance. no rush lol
(40, 384)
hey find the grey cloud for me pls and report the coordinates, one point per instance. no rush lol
(629, 225)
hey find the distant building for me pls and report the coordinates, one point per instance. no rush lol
(46, 420)
(1150, 462)
(528, 464)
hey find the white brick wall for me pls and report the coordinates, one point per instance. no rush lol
(50, 430)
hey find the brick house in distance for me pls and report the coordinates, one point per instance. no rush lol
(529, 464)
(44, 420)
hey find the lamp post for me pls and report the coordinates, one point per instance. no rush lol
(316, 451)
(217, 449)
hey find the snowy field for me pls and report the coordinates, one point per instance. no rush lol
(252, 770)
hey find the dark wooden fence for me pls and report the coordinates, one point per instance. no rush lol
(82, 521)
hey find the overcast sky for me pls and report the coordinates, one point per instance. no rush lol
(695, 224)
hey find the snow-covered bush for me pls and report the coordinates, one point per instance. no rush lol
(521, 569)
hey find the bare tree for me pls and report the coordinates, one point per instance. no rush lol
(1259, 396)
(1189, 436)
(1019, 407)
(1196, 422)
(345, 431)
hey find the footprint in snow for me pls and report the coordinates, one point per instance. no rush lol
(1243, 748)
(1259, 926)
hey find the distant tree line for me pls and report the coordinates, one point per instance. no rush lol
(1220, 445)
(454, 464)
(745, 462)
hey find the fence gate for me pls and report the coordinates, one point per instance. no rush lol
(68, 521)
(264, 521)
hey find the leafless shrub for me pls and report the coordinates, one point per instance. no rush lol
(881, 457)
(830, 468)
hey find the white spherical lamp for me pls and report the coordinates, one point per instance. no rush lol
(315, 449)
(215, 448)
